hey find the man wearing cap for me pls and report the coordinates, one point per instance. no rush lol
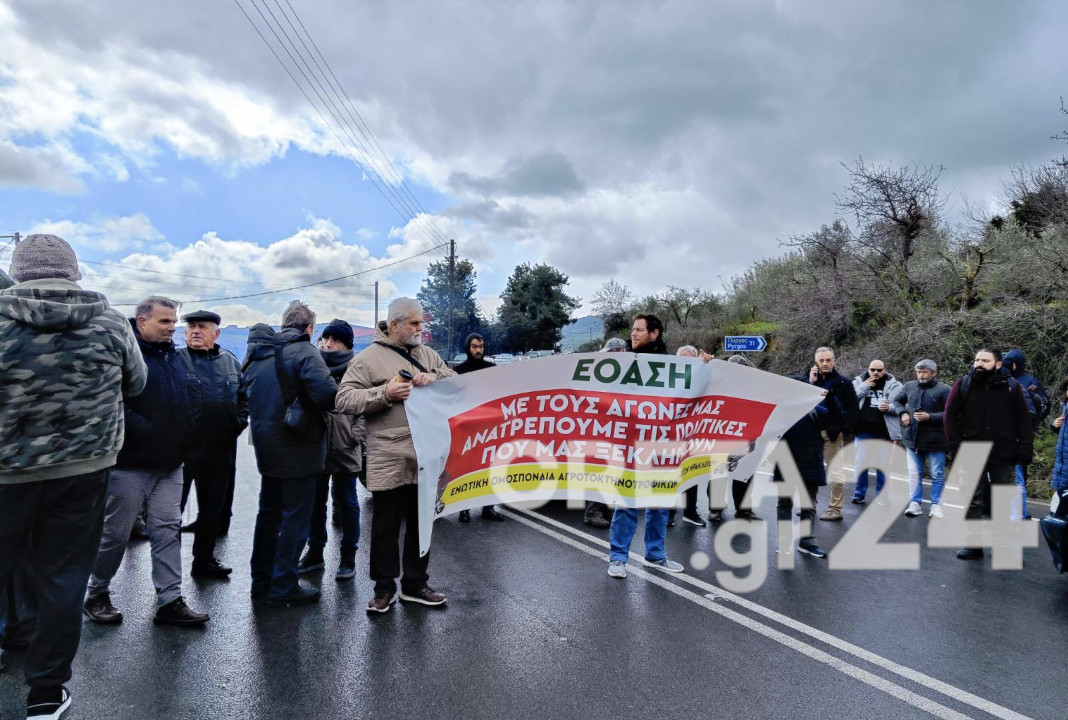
(921, 405)
(476, 360)
(220, 409)
(69, 359)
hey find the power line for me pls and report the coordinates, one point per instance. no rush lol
(359, 119)
(307, 285)
(373, 174)
(184, 275)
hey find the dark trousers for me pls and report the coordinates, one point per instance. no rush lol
(391, 509)
(281, 530)
(18, 607)
(738, 488)
(993, 474)
(786, 506)
(211, 480)
(691, 504)
(594, 508)
(54, 526)
(342, 487)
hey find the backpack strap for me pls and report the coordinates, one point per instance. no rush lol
(406, 355)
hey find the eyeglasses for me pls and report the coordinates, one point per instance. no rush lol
(876, 369)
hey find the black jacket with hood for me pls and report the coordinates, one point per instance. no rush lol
(472, 363)
(279, 451)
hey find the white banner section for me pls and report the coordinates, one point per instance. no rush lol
(627, 428)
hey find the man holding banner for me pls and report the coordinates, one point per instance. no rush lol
(646, 336)
(376, 385)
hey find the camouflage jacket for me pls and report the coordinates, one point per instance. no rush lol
(66, 361)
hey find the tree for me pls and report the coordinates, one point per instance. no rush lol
(534, 307)
(434, 295)
(612, 303)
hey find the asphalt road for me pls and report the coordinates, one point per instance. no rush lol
(534, 627)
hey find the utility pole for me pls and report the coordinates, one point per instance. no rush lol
(13, 236)
(376, 304)
(452, 291)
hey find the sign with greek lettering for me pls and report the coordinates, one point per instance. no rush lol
(627, 428)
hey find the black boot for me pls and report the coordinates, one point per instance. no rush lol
(178, 613)
(465, 516)
(490, 513)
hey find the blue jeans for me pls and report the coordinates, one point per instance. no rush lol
(343, 489)
(624, 525)
(1021, 499)
(282, 526)
(866, 457)
(917, 459)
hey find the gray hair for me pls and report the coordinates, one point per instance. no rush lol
(146, 307)
(403, 308)
(739, 360)
(824, 348)
(926, 364)
(298, 316)
(687, 351)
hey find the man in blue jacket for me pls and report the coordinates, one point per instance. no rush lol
(282, 371)
(149, 475)
(1014, 364)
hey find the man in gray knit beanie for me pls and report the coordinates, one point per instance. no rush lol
(41, 257)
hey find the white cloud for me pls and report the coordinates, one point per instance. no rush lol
(111, 234)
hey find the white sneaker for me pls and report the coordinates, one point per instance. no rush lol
(666, 565)
(936, 511)
(617, 569)
(914, 509)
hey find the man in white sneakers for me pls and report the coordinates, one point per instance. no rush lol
(921, 405)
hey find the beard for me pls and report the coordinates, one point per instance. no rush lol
(415, 340)
(982, 374)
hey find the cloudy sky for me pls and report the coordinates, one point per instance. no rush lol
(655, 143)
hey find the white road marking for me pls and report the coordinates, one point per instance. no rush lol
(875, 681)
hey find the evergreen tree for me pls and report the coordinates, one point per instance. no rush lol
(535, 307)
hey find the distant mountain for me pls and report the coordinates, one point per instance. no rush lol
(582, 330)
(235, 339)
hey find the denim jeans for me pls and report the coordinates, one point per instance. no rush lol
(282, 526)
(342, 487)
(917, 460)
(1019, 505)
(51, 528)
(159, 492)
(867, 456)
(624, 525)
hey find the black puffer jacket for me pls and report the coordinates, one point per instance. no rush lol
(346, 434)
(279, 451)
(930, 397)
(159, 421)
(220, 406)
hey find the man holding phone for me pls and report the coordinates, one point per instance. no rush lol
(376, 384)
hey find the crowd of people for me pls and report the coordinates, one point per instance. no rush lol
(106, 426)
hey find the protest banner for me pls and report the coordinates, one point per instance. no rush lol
(628, 428)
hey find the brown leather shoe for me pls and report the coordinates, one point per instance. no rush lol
(99, 609)
(832, 515)
(424, 596)
(381, 602)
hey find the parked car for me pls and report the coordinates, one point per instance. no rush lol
(503, 358)
(457, 359)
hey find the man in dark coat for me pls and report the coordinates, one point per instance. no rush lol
(805, 441)
(218, 397)
(1014, 364)
(476, 351)
(988, 406)
(839, 423)
(346, 438)
(646, 336)
(921, 404)
(289, 460)
(148, 474)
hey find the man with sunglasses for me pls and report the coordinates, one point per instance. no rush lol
(878, 420)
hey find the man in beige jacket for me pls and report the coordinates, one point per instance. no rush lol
(373, 387)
